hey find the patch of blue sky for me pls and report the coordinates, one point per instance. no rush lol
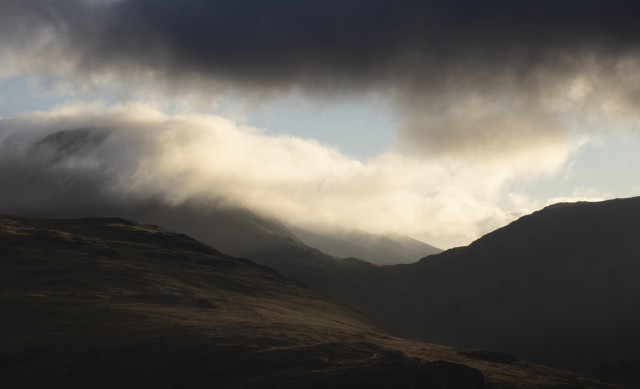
(360, 128)
(20, 94)
(607, 167)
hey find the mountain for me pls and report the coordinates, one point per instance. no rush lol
(109, 302)
(68, 143)
(557, 287)
(565, 276)
(377, 249)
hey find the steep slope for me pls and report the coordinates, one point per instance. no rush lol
(565, 277)
(377, 249)
(558, 287)
(108, 302)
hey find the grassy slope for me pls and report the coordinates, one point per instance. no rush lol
(557, 287)
(107, 302)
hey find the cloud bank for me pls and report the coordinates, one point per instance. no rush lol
(90, 159)
(472, 79)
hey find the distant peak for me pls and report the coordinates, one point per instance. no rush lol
(74, 141)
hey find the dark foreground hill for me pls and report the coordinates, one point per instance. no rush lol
(558, 287)
(111, 303)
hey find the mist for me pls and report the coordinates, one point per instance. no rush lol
(94, 160)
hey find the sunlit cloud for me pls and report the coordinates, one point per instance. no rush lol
(148, 155)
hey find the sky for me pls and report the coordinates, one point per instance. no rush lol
(440, 120)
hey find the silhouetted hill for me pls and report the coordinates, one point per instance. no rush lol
(377, 249)
(564, 276)
(112, 303)
(557, 287)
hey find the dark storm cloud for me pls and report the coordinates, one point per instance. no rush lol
(432, 55)
(275, 43)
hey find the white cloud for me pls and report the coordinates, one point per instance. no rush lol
(211, 159)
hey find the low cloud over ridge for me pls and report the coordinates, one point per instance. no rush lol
(88, 159)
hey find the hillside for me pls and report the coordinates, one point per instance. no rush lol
(377, 249)
(108, 302)
(564, 276)
(557, 287)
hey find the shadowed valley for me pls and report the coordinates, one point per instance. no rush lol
(108, 302)
(557, 287)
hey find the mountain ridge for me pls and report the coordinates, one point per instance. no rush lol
(564, 275)
(574, 263)
(110, 302)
